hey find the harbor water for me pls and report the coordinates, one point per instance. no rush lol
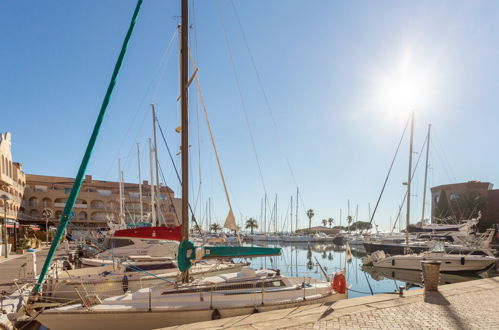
(307, 259)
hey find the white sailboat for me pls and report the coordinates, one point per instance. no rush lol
(210, 298)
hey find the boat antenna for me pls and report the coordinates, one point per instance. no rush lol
(73, 195)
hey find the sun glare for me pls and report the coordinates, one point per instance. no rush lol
(406, 88)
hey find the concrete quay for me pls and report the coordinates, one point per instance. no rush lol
(465, 305)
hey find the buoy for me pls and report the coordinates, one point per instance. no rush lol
(339, 283)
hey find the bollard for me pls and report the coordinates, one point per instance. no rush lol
(431, 274)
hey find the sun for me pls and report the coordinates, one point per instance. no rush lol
(405, 88)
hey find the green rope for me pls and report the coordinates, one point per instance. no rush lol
(68, 208)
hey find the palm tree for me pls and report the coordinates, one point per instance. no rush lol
(349, 220)
(324, 222)
(310, 215)
(251, 224)
(215, 227)
(330, 221)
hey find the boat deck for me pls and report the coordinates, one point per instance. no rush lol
(466, 305)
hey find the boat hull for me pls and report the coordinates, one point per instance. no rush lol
(455, 263)
(154, 319)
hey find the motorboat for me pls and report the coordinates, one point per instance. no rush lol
(449, 262)
(213, 297)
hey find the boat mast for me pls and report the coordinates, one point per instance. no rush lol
(184, 148)
(153, 106)
(291, 214)
(140, 185)
(297, 191)
(153, 200)
(120, 185)
(408, 214)
(73, 195)
(426, 173)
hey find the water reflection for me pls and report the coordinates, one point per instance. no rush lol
(302, 259)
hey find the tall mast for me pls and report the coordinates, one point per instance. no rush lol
(426, 173)
(120, 185)
(297, 192)
(408, 214)
(140, 184)
(291, 215)
(153, 106)
(153, 198)
(184, 148)
(265, 214)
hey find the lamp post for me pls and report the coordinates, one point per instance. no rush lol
(47, 214)
(5, 237)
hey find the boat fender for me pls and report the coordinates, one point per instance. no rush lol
(216, 315)
(393, 262)
(339, 283)
(124, 283)
(255, 310)
(462, 260)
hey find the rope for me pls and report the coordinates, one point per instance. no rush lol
(230, 217)
(243, 104)
(176, 172)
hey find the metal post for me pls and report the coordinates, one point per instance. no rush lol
(184, 71)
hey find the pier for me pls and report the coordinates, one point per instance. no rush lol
(466, 305)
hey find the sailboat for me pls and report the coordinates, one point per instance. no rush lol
(449, 262)
(185, 300)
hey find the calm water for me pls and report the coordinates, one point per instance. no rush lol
(303, 260)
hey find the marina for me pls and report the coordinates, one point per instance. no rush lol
(229, 231)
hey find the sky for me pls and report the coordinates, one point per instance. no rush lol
(313, 94)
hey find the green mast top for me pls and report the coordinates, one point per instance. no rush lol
(68, 208)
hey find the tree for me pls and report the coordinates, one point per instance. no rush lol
(215, 227)
(251, 224)
(331, 222)
(310, 215)
(324, 222)
(349, 220)
(442, 209)
(466, 204)
(361, 226)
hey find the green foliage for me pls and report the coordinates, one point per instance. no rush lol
(310, 215)
(361, 226)
(330, 221)
(251, 224)
(324, 222)
(215, 227)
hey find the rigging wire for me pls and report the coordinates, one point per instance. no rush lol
(176, 172)
(265, 96)
(161, 67)
(243, 104)
(412, 176)
(389, 171)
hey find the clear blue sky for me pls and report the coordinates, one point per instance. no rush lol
(339, 76)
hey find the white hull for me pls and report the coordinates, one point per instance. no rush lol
(65, 288)
(141, 320)
(449, 262)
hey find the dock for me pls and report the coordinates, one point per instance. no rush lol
(465, 305)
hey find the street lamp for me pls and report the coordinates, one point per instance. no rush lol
(5, 237)
(47, 214)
